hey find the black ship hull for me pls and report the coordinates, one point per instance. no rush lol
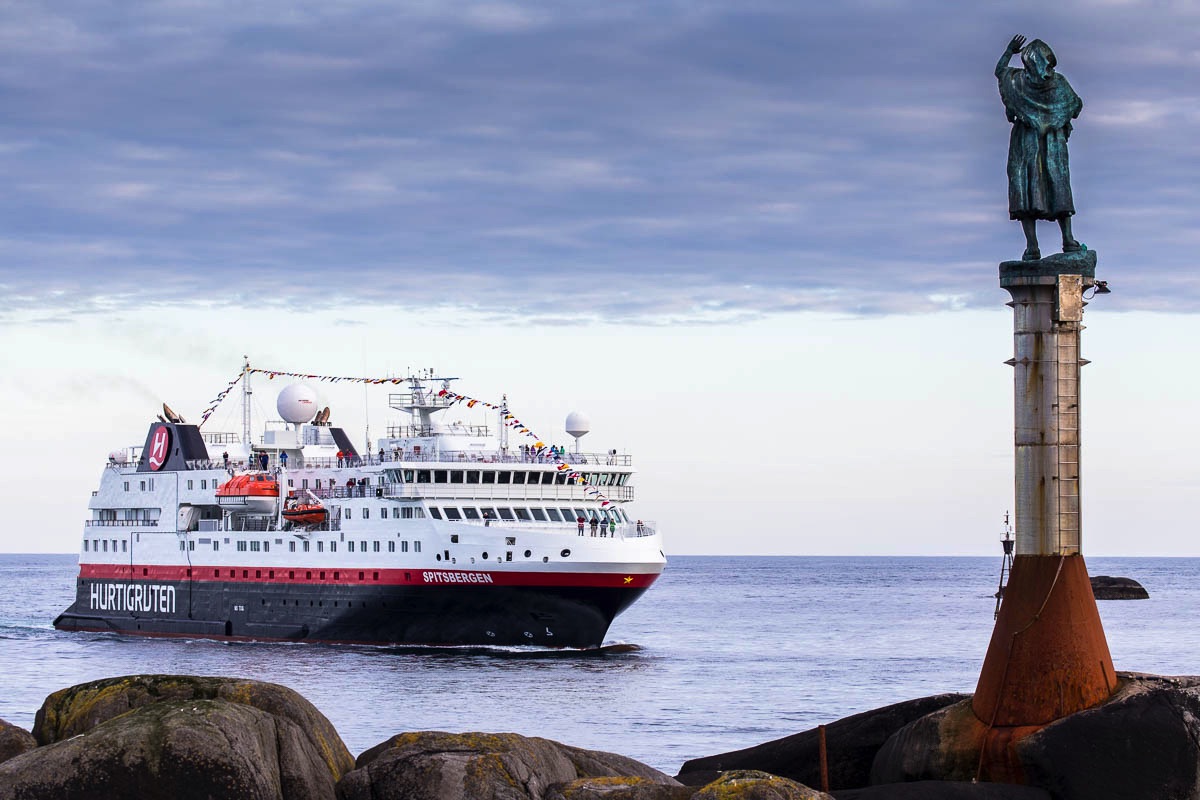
(457, 614)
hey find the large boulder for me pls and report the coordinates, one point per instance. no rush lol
(14, 741)
(618, 789)
(433, 765)
(154, 736)
(755, 785)
(1105, 587)
(941, 746)
(851, 744)
(78, 709)
(1143, 742)
(177, 750)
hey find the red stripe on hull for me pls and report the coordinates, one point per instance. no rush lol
(380, 577)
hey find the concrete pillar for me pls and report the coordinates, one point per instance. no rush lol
(1048, 656)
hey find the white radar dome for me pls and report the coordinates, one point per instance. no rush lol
(578, 424)
(297, 403)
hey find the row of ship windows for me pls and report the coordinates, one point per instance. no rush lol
(397, 513)
(97, 544)
(256, 546)
(473, 476)
(527, 514)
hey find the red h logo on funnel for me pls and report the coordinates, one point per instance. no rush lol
(160, 447)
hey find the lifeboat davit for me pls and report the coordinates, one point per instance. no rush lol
(252, 493)
(305, 514)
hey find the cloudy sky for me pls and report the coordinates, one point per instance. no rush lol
(756, 242)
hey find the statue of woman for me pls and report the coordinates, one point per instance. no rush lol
(1040, 104)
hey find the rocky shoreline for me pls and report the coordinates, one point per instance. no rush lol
(184, 737)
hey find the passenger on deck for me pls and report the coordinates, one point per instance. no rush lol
(595, 524)
(580, 521)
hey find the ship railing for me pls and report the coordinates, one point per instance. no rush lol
(496, 492)
(396, 457)
(120, 523)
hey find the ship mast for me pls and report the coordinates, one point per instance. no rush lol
(246, 392)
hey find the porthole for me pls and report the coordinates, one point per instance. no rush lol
(438, 557)
(565, 553)
(485, 555)
(528, 553)
(545, 559)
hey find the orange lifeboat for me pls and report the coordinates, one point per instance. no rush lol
(252, 493)
(305, 514)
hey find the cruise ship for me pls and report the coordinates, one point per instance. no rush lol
(447, 532)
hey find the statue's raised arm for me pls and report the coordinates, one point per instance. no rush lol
(1040, 104)
(1013, 48)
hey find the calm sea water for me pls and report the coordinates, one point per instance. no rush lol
(733, 652)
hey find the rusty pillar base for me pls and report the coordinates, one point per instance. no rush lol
(1048, 656)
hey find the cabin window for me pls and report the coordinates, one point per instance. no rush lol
(523, 514)
(560, 478)
(366, 513)
(406, 513)
(423, 476)
(318, 483)
(143, 485)
(505, 513)
(362, 546)
(391, 546)
(488, 477)
(552, 514)
(419, 513)
(454, 538)
(127, 486)
(547, 478)
(255, 546)
(508, 555)
(510, 540)
(241, 546)
(305, 547)
(416, 547)
(216, 545)
(383, 513)
(345, 512)
(404, 547)
(191, 545)
(204, 481)
(518, 477)
(85, 545)
(375, 547)
(333, 547)
(473, 476)
(190, 486)
(579, 512)
(266, 546)
(456, 476)
(435, 513)
(470, 513)
(350, 546)
(320, 547)
(538, 514)
(489, 513)
(440, 476)
(452, 513)
(503, 477)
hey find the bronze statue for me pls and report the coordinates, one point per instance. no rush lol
(1040, 104)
